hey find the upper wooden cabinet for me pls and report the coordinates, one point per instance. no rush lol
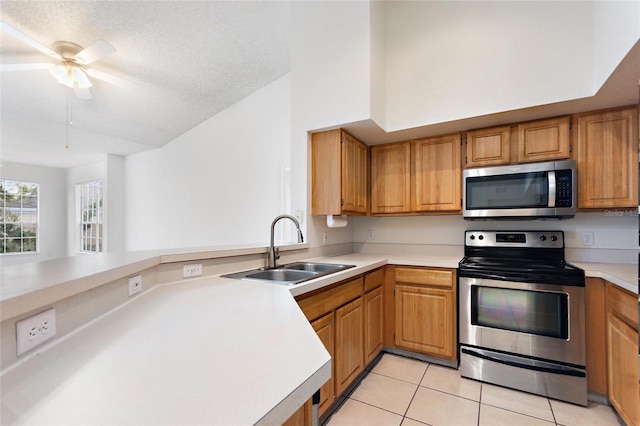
(544, 140)
(419, 176)
(391, 178)
(489, 147)
(606, 146)
(436, 175)
(339, 170)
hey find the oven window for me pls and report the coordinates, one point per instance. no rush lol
(515, 191)
(534, 312)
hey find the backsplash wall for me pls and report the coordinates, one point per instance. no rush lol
(615, 232)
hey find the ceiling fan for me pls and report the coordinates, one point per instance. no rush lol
(71, 69)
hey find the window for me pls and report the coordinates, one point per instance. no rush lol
(18, 217)
(91, 226)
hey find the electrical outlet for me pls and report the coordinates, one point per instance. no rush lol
(325, 237)
(193, 270)
(135, 284)
(587, 238)
(371, 235)
(35, 330)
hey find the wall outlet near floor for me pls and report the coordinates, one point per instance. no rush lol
(135, 284)
(193, 270)
(587, 238)
(35, 330)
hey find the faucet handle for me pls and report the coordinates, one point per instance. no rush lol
(276, 253)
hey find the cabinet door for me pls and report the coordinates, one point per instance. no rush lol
(596, 331)
(607, 159)
(622, 352)
(623, 369)
(324, 327)
(373, 324)
(355, 169)
(435, 180)
(489, 147)
(349, 349)
(390, 178)
(326, 173)
(425, 320)
(544, 140)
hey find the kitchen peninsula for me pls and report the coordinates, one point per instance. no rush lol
(193, 351)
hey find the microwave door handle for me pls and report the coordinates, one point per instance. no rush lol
(552, 189)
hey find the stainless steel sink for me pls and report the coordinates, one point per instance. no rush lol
(286, 275)
(316, 267)
(290, 274)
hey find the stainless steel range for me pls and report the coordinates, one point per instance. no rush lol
(522, 312)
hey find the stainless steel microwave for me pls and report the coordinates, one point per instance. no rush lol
(536, 190)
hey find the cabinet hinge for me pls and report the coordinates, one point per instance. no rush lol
(570, 148)
(341, 139)
(341, 202)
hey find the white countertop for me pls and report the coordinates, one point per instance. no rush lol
(208, 350)
(203, 351)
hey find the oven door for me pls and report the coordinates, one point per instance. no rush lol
(543, 321)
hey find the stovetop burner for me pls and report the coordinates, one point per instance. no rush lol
(523, 256)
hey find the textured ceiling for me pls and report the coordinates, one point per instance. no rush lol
(190, 60)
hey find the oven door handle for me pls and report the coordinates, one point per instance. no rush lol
(526, 363)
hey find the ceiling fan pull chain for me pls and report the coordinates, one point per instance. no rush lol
(69, 118)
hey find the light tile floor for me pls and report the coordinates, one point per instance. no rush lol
(409, 392)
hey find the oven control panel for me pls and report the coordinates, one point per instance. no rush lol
(535, 239)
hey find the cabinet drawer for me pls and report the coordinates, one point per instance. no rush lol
(325, 301)
(373, 279)
(624, 304)
(425, 276)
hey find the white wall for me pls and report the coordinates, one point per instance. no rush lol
(613, 230)
(616, 28)
(114, 199)
(454, 60)
(331, 85)
(217, 184)
(52, 211)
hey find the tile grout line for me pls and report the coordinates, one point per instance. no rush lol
(414, 393)
(479, 403)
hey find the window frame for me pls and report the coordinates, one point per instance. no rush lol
(3, 237)
(83, 241)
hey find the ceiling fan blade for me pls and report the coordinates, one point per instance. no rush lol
(28, 40)
(97, 50)
(111, 79)
(25, 67)
(82, 93)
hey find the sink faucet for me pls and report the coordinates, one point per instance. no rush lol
(274, 252)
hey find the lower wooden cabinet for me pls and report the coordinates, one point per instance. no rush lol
(596, 335)
(622, 353)
(302, 417)
(349, 349)
(373, 324)
(325, 329)
(373, 314)
(425, 311)
(348, 318)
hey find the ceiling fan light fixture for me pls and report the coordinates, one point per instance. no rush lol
(60, 73)
(80, 77)
(70, 75)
